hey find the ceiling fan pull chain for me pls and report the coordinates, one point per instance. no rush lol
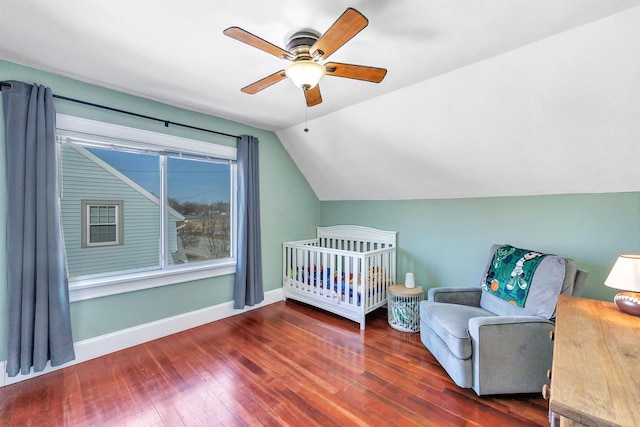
(306, 118)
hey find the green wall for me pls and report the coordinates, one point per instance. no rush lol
(281, 219)
(445, 242)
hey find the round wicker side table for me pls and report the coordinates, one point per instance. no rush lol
(403, 306)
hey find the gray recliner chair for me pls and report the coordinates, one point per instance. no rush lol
(489, 344)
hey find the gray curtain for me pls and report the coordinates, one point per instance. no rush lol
(38, 295)
(248, 282)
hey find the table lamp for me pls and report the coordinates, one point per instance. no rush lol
(625, 275)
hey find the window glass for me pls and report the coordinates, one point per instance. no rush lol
(102, 224)
(199, 208)
(91, 175)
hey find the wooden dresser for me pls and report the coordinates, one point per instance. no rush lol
(596, 365)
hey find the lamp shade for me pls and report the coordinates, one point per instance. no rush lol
(625, 274)
(305, 74)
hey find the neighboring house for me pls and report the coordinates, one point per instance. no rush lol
(110, 223)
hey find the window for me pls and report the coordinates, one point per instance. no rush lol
(141, 209)
(102, 223)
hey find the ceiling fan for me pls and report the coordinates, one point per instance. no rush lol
(305, 50)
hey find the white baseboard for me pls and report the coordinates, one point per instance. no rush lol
(104, 344)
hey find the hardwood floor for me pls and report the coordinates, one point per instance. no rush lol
(284, 364)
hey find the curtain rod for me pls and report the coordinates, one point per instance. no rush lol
(104, 107)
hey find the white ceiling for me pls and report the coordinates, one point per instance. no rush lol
(363, 139)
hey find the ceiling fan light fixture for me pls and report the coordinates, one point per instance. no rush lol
(305, 48)
(305, 74)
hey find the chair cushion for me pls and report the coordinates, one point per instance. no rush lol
(555, 275)
(451, 323)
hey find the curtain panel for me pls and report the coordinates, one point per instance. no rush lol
(248, 282)
(39, 328)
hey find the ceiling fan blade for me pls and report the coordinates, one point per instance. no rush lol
(358, 72)
(256, 87)
(255, 41)
(313, 96)
(350, 23)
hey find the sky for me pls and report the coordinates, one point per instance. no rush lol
(187, 180)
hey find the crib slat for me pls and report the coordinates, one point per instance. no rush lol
(307, 267)
(339, 278)
(317, 284)
(347, 283)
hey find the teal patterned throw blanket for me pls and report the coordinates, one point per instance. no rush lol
(510, 273)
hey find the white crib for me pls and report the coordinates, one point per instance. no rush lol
(345, 270)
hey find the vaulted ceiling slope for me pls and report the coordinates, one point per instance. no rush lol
(558, 116)
(482, 98)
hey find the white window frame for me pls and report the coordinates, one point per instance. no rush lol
(101, 134)
(86, 229)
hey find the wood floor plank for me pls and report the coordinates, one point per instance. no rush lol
(285, 364)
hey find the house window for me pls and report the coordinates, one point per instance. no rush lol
(142, 209)
(102, 223)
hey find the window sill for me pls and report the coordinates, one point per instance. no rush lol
(80, 290)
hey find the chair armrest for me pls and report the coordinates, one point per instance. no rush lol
(517, 321)
(452, 295)
(511, 353)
